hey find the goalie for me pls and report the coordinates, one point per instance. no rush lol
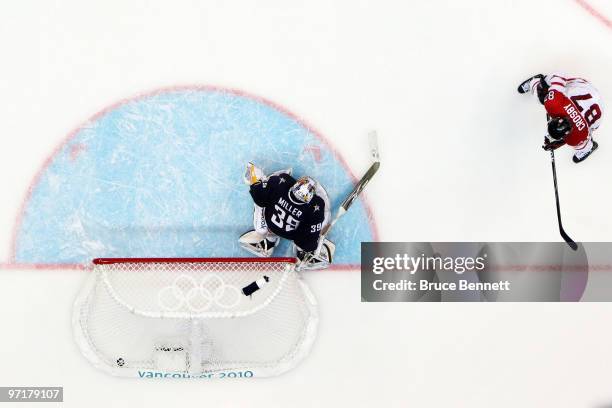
(297, 210)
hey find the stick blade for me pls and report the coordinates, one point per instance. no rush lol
(569, 241)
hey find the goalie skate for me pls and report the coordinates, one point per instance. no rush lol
(321, 259)
(257, 244)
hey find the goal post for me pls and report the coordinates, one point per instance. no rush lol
(195, 317)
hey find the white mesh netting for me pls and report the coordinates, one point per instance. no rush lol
(195, 318)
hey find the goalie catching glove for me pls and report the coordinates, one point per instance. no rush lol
(253, 174)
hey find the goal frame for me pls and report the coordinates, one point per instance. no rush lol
(108, 261)
(89, 350)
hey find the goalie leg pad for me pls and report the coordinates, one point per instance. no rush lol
(322, 258)
(259, 220)
(258, 244)
(329, 248)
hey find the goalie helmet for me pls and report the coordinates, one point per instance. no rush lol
(559, 128)
(303, 190)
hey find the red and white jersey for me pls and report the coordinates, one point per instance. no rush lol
(579, 101)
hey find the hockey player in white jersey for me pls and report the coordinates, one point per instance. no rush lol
(574, 108)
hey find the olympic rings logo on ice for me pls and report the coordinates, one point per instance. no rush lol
(186, 293)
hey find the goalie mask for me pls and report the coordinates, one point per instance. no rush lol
(303, 190)
(559, 128)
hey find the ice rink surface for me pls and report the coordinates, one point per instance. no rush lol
(461, 161)
(161, 175)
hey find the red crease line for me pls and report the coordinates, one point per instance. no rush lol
(595, 13)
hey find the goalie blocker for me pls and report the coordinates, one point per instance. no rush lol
(297, 210)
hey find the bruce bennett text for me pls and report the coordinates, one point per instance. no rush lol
(423, 284)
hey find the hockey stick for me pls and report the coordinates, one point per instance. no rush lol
(564, 235)
(348, 201)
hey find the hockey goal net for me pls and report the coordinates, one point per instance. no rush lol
(195, 318)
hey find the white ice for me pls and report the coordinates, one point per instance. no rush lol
(461, 161)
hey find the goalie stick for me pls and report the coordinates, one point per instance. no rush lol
(348, 201)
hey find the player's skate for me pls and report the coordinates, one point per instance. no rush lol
(579, 156)
(257, 244)
(525, 86)
(320, 259)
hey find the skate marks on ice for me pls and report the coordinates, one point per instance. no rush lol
(161, 175)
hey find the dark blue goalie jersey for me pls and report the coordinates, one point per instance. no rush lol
(287, 217)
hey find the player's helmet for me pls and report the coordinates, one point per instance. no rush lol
(304, 189)
(559, 128)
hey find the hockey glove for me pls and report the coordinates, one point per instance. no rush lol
(542, 89)
(551, 145)
(253, 174)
